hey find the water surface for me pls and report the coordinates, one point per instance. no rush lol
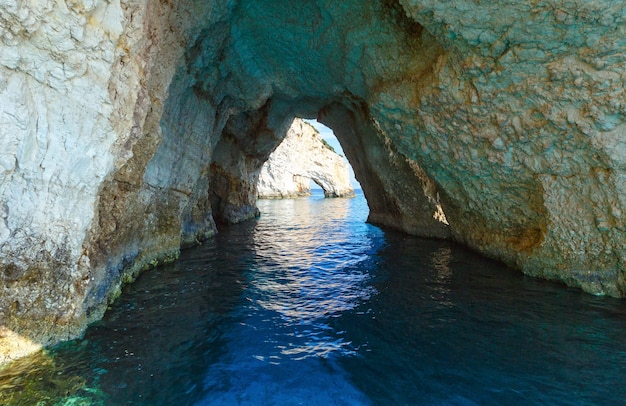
(309, 305)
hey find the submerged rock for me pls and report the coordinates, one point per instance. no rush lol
(301, 157)
(129, 128)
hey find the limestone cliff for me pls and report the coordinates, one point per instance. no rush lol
(128, 127)
(301, 157)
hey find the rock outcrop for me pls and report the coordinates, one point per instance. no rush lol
(128, 127)
(301, 157)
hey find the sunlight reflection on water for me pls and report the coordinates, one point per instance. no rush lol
(310, 305)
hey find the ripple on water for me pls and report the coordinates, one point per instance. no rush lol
(310, 305)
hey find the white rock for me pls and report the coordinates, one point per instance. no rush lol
(301, 157)
(506, 117)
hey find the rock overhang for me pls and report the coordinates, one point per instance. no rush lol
(506, 116)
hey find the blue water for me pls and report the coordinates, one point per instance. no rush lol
(309, 305)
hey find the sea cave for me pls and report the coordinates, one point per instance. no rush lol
(130, 129)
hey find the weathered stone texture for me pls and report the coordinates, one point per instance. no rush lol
(67, 90)
(82, 85)
(522, 126)
(301, 157)
(127, 126)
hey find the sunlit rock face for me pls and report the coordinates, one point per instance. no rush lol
(301, 157)
(82, 92)
(127, 128)
(522, 128)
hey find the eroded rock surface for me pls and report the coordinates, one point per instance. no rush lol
(301, 157)
(127, 127)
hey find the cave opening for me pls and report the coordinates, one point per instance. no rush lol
(399, 194)
(160, 132)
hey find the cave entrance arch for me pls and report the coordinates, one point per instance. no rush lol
(398, 192)
(195, 96)
(196, 160)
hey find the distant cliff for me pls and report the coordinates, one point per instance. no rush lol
(304, 156)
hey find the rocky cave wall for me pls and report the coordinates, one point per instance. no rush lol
(301, 157)
(128, 127)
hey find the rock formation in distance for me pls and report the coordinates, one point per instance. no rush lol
(301, 157)
(128, 128)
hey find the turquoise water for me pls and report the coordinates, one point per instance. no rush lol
(309, 305)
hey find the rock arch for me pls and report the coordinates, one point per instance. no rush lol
(128, 127)
(302, 157)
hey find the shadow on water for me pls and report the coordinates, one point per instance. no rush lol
(168, 326)
(310, 305)
(450, 327)
(153, 344)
